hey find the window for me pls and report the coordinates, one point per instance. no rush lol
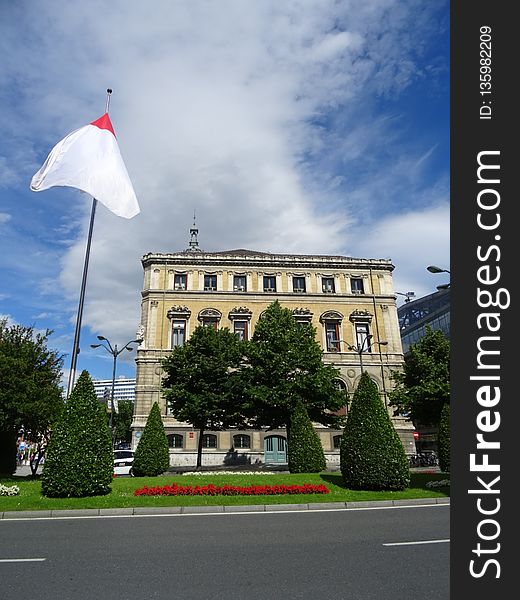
(210, 282)
(209, 440)
(356, 285)
(210, 322)
(209, 317)
(180, 281)
(332, 336)
(240, 329)
(362, 340)
(242, 441)
(178, 333)
(298, 284)
(336, 441)
(269, 283)
(327, 285)
(175, 440)
(239, 283)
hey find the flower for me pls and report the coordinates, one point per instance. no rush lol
(230, 490)
(6, 490)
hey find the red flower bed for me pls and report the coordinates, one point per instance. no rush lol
(230, 490)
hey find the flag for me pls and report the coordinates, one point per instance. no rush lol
(89, 159)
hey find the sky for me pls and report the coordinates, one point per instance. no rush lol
(303, 126)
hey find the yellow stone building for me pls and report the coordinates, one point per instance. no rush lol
(350, 301)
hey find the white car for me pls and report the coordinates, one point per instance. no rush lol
(123, 460)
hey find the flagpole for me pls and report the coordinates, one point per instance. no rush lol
(76, 348)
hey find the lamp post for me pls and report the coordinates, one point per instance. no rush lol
(435, 269)
(365, 346)
(407, 295)
(115, 352)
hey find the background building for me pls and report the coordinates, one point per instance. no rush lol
(124, 389)
(346, 299)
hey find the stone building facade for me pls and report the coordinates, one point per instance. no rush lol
(350, 302)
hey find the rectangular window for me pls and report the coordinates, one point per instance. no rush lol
(208, 322)
(298, 284)
(269, 283)
(178, 333)
(356, 285)
(180, 281)
(363, 343)
(240, 329)
(332, 336)
(327, 285)
(239, 283)
(210, 283)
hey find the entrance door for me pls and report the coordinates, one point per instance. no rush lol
(275, 449)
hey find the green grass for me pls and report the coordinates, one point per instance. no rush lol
(121, 496)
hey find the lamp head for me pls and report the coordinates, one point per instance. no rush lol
(101, 337)
(95, 345)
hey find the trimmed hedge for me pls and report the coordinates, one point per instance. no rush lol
(444, 439)
(305, 452)
(152, 455)
(372, 456)
(79, 460)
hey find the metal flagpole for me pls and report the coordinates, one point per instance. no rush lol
(75, 348)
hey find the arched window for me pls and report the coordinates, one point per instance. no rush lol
(209, 440)
(175, 440)
(336, 441)
(242, 441)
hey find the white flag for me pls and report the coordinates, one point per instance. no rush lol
(89, 159)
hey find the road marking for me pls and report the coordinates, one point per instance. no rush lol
(11, 560)
(416, 543)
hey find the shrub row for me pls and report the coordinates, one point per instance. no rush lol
(230, 490)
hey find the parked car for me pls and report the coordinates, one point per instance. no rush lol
(123, 460)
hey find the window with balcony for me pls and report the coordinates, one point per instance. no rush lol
(298, 285)
(356, 285)
(327, 285)
(239, 283)
(178, 333)
(269, 283)
(180, 281)
(210, 283)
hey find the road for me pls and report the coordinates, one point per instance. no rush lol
(340, 555)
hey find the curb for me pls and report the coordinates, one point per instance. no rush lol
(193, 510)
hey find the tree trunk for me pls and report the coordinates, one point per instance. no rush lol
(199, 449)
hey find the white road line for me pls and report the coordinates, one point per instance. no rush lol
(11, 560)
(416, 543)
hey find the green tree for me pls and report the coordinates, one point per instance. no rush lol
(305, 452)
(285, 368)
(444, 439)
(123, 421)
(372, 456)
(152, 455)
(201, 382)
(79, 460)
(30, 393)
(423, 387)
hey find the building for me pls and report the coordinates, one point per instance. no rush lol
(348, 300)
(124, 389)
(432, 311)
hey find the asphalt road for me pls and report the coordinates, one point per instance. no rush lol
(267, 556)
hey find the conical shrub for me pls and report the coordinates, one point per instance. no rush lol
(305, 452)
(444, 439)
(152, 455)
(372, 456)
(79, 460)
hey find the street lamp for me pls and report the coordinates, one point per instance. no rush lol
(115, 352)
(408, 295)
(365, 346)
(435, 269)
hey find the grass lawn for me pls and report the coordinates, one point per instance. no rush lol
(121, 496)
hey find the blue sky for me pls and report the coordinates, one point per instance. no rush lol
(301, 126)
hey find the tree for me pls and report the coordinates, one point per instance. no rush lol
(444, 439)
(79, 459)
(152, 455)
(30, 393)
(423, 387)
(123, 421)
(202, 385)
(285, 368)
(305, 452)
(372, 456)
